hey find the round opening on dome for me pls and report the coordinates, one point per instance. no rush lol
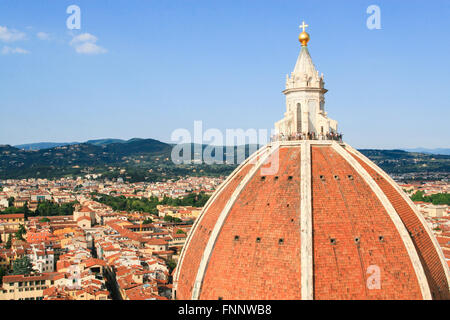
(336, 177)
(381, 238)
(290, 177)
(276, 177)
(258, 240)
(281, 241)
(333, 241)
(263, 178)
(322, 177)
(236, 238)
(350, 177)
(357, 239)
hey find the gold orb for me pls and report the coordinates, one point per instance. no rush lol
(304, 38)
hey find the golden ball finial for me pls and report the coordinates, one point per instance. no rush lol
(304, 36)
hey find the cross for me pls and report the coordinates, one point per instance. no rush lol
(303, 26)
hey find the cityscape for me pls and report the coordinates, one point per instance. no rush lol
(93, 252)
(343, 193)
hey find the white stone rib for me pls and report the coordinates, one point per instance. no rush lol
(409, 245)
(220, 221)
(410, 203)
(306, 241)
(205, 209)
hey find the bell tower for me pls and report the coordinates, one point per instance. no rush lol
(305, 98)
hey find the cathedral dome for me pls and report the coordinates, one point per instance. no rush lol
(310, 218)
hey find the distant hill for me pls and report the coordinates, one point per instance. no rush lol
(150, 160)
(100, 142)
(400, 161)
(43, 145)
(444, 151)
(49, 145)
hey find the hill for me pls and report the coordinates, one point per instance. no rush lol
(49, 145)
(443, 151)
(43, 145)
(150, 160)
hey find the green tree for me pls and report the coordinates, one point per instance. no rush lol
(172, 219)
(8, 242)
(171, 264)
(180, 231)
(436, 199)
(147, 221)
(22, 266)
(19, 234)
(2, 273)
(26, 211)
(10, 201)
(50, 208)
(168, 218)
(418, 196)
(45, 219)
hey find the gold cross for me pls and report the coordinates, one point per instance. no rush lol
(303, 26)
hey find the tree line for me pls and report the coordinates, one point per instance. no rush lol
(436, 199)
(148, 205)
(44, 208)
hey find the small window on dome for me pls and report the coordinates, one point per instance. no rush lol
(381, 238)
(336, 177)
(357, 240)
(236, 238)
(290, 178)
(276, 177)
(263, 178)
(350, 177)
(333, 241)
(322, 177)
(281, 241)
(258, 240)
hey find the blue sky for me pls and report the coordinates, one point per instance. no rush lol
(151, 67)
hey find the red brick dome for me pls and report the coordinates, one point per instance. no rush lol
(310, 220)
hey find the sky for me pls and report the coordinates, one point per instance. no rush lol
(139, 68)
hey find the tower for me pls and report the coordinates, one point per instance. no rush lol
(305, 98)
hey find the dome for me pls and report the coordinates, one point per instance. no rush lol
(323, 226)
(309, 217)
